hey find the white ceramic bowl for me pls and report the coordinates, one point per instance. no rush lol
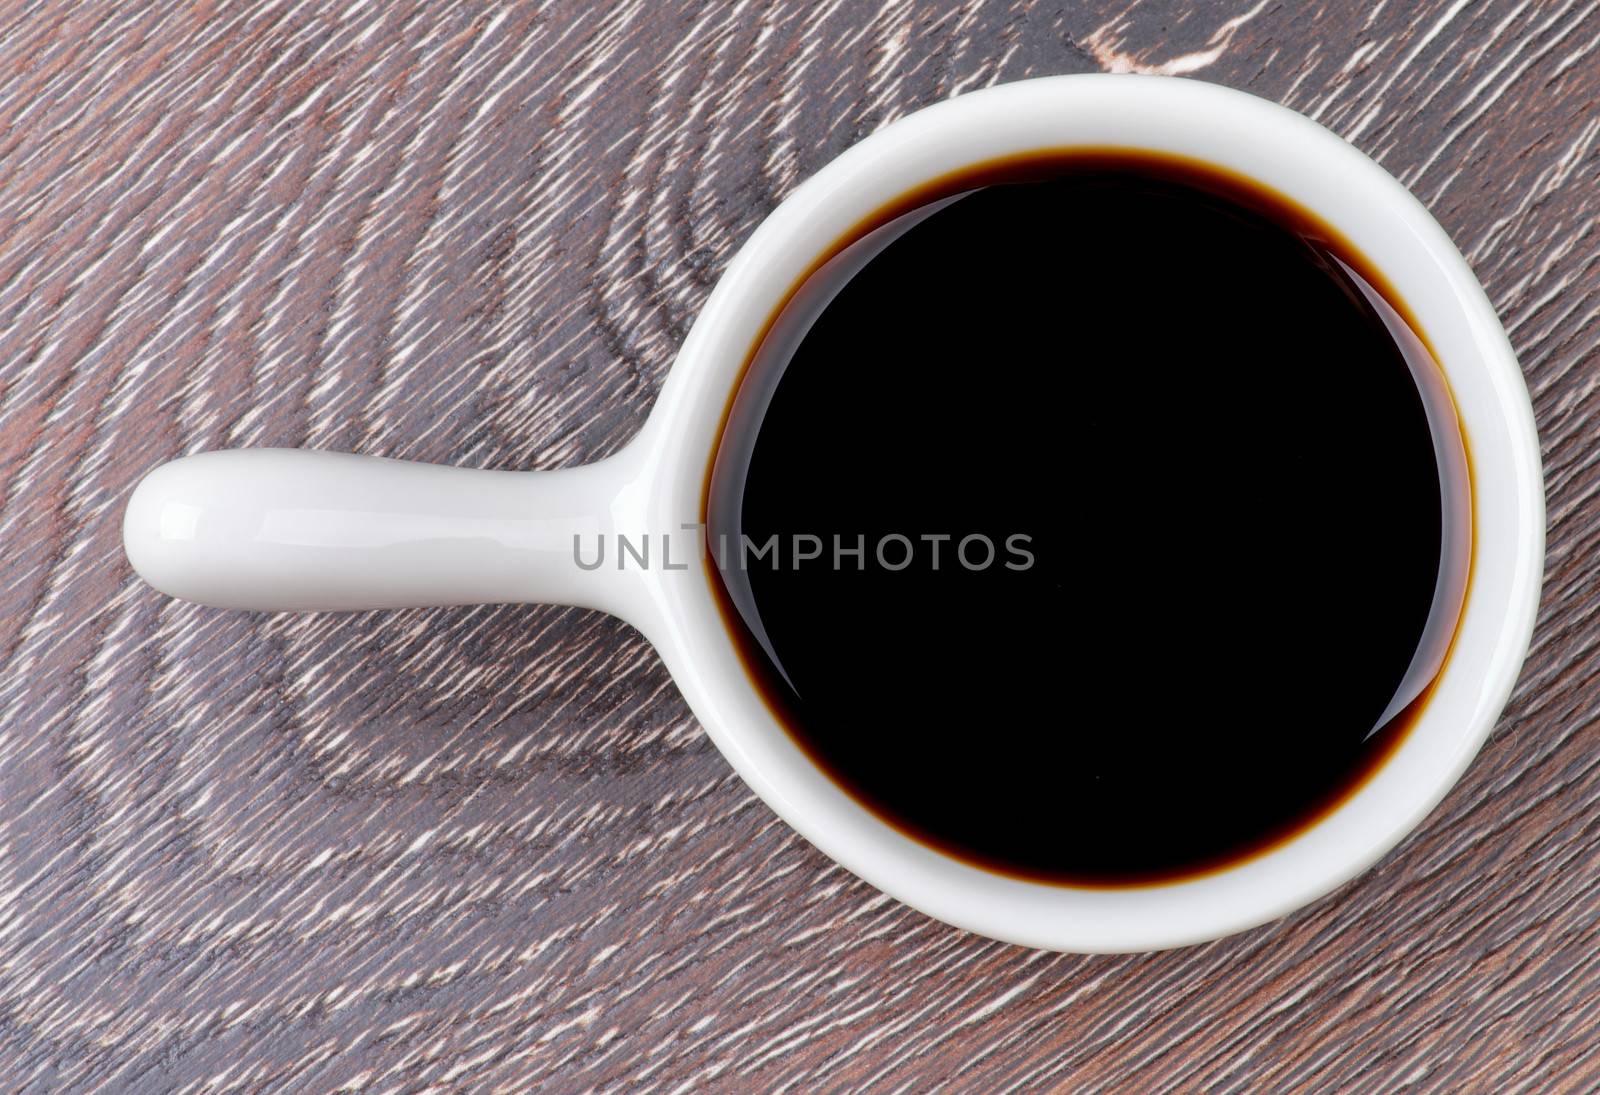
(291, 529)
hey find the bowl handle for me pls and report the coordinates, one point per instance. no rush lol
(302, 529)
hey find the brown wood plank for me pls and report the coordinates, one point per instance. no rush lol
(489, 847)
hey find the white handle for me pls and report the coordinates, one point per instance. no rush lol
(300, 529)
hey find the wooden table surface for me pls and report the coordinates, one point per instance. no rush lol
(489, 848)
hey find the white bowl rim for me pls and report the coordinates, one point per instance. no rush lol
(1284, 151)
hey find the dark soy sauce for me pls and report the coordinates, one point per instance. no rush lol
(1223, 481)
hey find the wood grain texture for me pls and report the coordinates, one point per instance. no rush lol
(489, 848)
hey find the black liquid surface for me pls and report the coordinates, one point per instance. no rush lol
(1222, 479)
